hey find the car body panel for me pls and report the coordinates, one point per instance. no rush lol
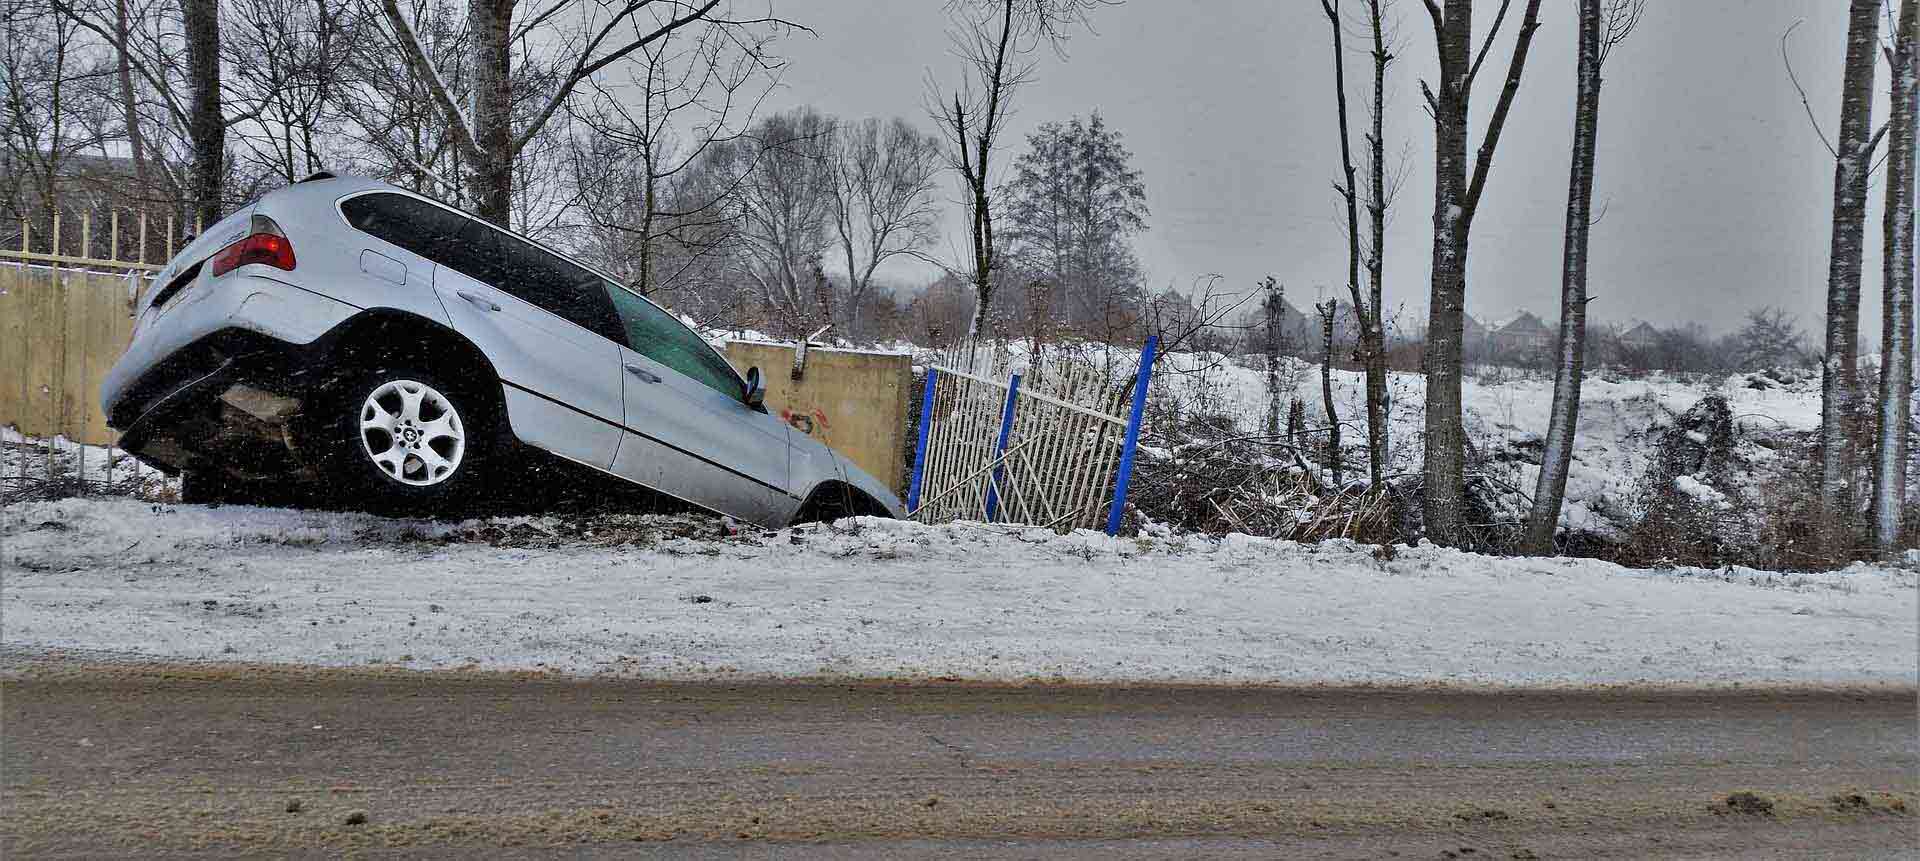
(562, 382)
(678, 442)
(565, 388)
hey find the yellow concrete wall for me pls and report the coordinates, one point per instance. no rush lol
(854, 402)
(60, 330)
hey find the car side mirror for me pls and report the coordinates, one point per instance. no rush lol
(756, 389)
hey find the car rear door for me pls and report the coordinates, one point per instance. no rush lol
(689, 431)
(548, 326)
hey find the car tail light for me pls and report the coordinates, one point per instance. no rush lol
(267, 244)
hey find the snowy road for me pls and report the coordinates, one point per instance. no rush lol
(663, 598)
(158, 761)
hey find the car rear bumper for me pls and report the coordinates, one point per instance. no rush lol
(169, 346)
(197, 402)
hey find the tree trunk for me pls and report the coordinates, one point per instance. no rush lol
(492, 23)
(206, 128)
(1327, 312)
(123, 70)
(1558, 456)
(1839, 393)
(1896, 338)
(1442, 493)
(1366, 314)
(1456, 200)
(650, 207)
(1276, 295)
(1374, 351)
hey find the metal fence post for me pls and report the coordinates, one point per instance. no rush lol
(1000, 448)
(920, 448)
(1119, 506)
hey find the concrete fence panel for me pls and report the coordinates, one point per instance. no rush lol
(855, 402)
(60, 330)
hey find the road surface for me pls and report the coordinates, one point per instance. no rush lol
(161, 761)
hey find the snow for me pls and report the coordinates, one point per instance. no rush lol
(1703, 493)
(888, 599)
(1506, 413)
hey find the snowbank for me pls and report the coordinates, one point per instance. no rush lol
(877, 598)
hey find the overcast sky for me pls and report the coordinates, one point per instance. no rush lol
(1717, 192)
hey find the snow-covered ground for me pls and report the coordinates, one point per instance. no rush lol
(1505, 413)
(674, 598)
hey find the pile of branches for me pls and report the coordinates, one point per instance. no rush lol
(1219, 483)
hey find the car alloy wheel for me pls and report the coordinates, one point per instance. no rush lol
(412, 433)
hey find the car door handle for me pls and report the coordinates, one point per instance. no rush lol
(481, 302)
(643, 373)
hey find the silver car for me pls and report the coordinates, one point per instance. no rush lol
(408, 357)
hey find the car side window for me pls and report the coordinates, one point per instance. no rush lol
(493, 257)
(546, 280)
(655, 334)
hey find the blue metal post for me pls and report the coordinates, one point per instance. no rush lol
(1119, 507)
(1000, 448)
(920, 448)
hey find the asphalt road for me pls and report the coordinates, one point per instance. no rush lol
(147, 761)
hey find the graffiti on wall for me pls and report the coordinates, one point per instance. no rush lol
(805, 422)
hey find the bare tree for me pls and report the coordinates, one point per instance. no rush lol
(595, 37)
(1896, 339)
(883, 207)
(53, 82)
(994, 40)
(1370, 343)
(1456, 200)
(1769, 339)
(286, 56)
(1603, 24)
(783, 203)
(637, 174)
(1839, 388)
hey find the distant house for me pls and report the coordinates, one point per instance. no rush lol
(1525, 333)
(1474, 332)
(1640, 337)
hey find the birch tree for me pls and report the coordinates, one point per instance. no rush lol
(1456, 200)
(1896, 339)
(1839, 387)
(590, 36)
(1603, 24)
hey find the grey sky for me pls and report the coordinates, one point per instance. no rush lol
(1717, 192)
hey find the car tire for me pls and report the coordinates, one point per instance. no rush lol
(404, 441)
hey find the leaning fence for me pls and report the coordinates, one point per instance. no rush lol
(1044, 447)
(64, 319)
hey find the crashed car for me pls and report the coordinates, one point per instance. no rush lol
(351, 335)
